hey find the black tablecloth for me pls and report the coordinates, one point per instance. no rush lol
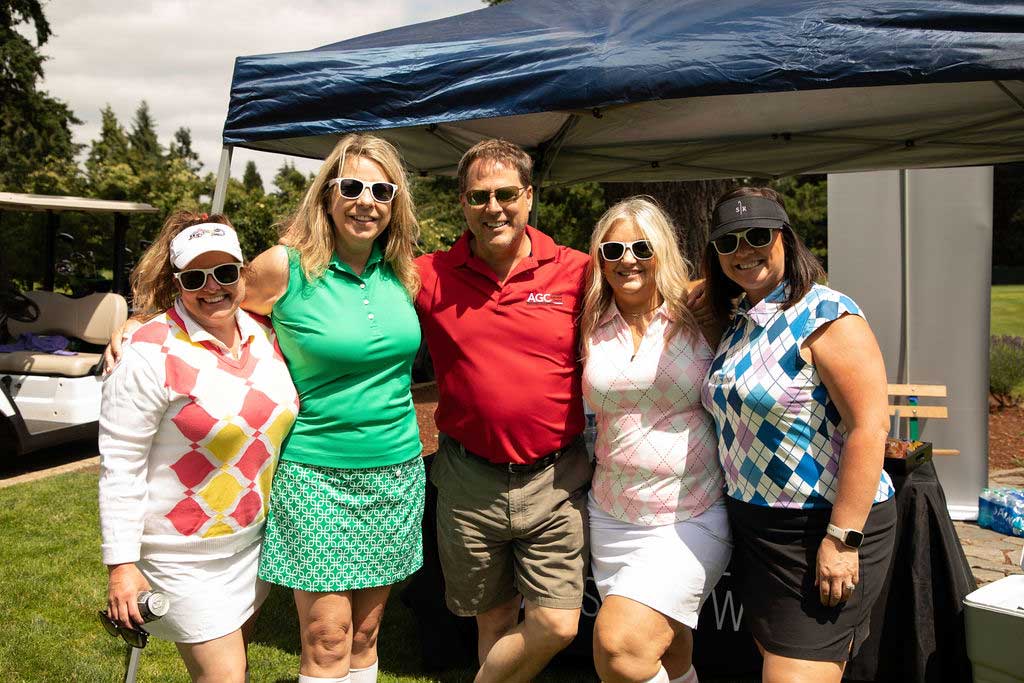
(917, 626)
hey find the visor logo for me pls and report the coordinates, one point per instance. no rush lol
(543, 298)
(740, 209)
(215, 232)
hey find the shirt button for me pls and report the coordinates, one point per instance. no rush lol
(370, 316)
(366, 302)
(362, 285)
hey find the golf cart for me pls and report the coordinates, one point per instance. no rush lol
(48, 399)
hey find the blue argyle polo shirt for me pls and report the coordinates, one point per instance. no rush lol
(779, 433)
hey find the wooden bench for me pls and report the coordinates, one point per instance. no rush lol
(912, 410)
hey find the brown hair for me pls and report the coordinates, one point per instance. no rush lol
(152, 278)
(802, 268)
(310, 229)
(496, 151)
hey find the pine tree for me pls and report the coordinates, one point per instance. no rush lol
(181, 148)
(251, 180)
(146, 154)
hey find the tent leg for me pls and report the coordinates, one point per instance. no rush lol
(905, 274)
(220, 190)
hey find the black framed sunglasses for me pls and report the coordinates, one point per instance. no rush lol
(136, 637)
(755, 237)
(194, 279)
(352, 188)
(504, 195)
(613, 251)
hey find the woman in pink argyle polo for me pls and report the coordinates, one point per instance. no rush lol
(191, 425)
(658, 529)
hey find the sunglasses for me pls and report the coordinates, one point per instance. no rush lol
(352, 188)
(613, 251)
(136, 637)
(755, 237)
(194, 279)
(504, 195)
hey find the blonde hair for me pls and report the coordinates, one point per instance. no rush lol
(311, 232)
(671, 274)
(152, 278)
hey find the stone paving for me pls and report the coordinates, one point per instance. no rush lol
(993, 555)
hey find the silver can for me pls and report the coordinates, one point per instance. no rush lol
(153, 605)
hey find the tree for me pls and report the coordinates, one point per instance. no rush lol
(181, 149)
(251, 180)
(146, 154)
(35, 129)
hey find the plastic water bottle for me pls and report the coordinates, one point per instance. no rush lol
(985, 509)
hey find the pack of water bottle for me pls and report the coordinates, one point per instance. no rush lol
(1002, 509)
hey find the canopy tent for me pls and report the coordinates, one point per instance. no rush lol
(660, 90)
(669, 90)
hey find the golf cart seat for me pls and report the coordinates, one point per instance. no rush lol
(93, 319)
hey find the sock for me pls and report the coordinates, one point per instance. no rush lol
(660, 677)
(367, 674)
(314, 679)
(688, 677)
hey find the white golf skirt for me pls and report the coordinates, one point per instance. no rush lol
(671, 568)
(209, 598)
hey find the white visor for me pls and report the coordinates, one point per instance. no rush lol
(203, 238)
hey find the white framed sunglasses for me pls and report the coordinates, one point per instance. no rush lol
(755, 237)
(194, 279)
(614, 251)
(352, 188)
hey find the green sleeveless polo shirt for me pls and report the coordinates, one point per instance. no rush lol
(349, 342)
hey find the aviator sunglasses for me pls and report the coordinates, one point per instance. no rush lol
(613, 251)
(136, 637)
(352, 188)
(194, 279)
(755, 237)
(504, 195)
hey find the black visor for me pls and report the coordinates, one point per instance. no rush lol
(747, 212)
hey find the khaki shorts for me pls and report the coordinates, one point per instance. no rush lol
(502, 533)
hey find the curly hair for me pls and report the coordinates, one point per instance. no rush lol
(152, 278)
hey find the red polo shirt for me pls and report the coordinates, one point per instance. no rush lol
(506, 355)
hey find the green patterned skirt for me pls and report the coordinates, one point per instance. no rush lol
(331, 529)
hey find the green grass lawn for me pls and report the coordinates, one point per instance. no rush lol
(52, 583)
(1008, 310)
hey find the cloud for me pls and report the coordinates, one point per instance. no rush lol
(178, 55)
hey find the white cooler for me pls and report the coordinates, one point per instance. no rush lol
(994, 616)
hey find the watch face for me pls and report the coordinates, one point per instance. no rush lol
(854, 538)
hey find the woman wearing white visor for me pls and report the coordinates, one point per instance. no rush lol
(191, 425)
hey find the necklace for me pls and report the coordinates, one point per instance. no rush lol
(640, 315)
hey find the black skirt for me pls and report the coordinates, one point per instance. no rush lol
(775, 560)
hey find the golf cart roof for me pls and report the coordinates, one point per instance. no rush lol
(13, 201)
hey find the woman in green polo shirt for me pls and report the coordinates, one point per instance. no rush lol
(347, 500)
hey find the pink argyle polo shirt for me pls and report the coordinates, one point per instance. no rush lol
(657, 458)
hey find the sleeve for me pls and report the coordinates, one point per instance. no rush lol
(133, 403)
(825, 306)
(425, 294)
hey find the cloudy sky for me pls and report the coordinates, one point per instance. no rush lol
(178, 55)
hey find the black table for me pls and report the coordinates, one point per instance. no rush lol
(917, 625)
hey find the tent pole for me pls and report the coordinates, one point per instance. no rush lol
(220, 190)
(905, 273)
(547, 152)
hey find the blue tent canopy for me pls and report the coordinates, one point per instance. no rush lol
(663, 89)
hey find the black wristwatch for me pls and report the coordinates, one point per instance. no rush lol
(851, 538)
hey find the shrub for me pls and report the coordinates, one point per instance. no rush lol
(1006, 370)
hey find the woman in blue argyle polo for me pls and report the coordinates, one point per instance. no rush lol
(797, 390)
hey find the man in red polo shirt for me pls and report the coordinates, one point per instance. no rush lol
(498, 312)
